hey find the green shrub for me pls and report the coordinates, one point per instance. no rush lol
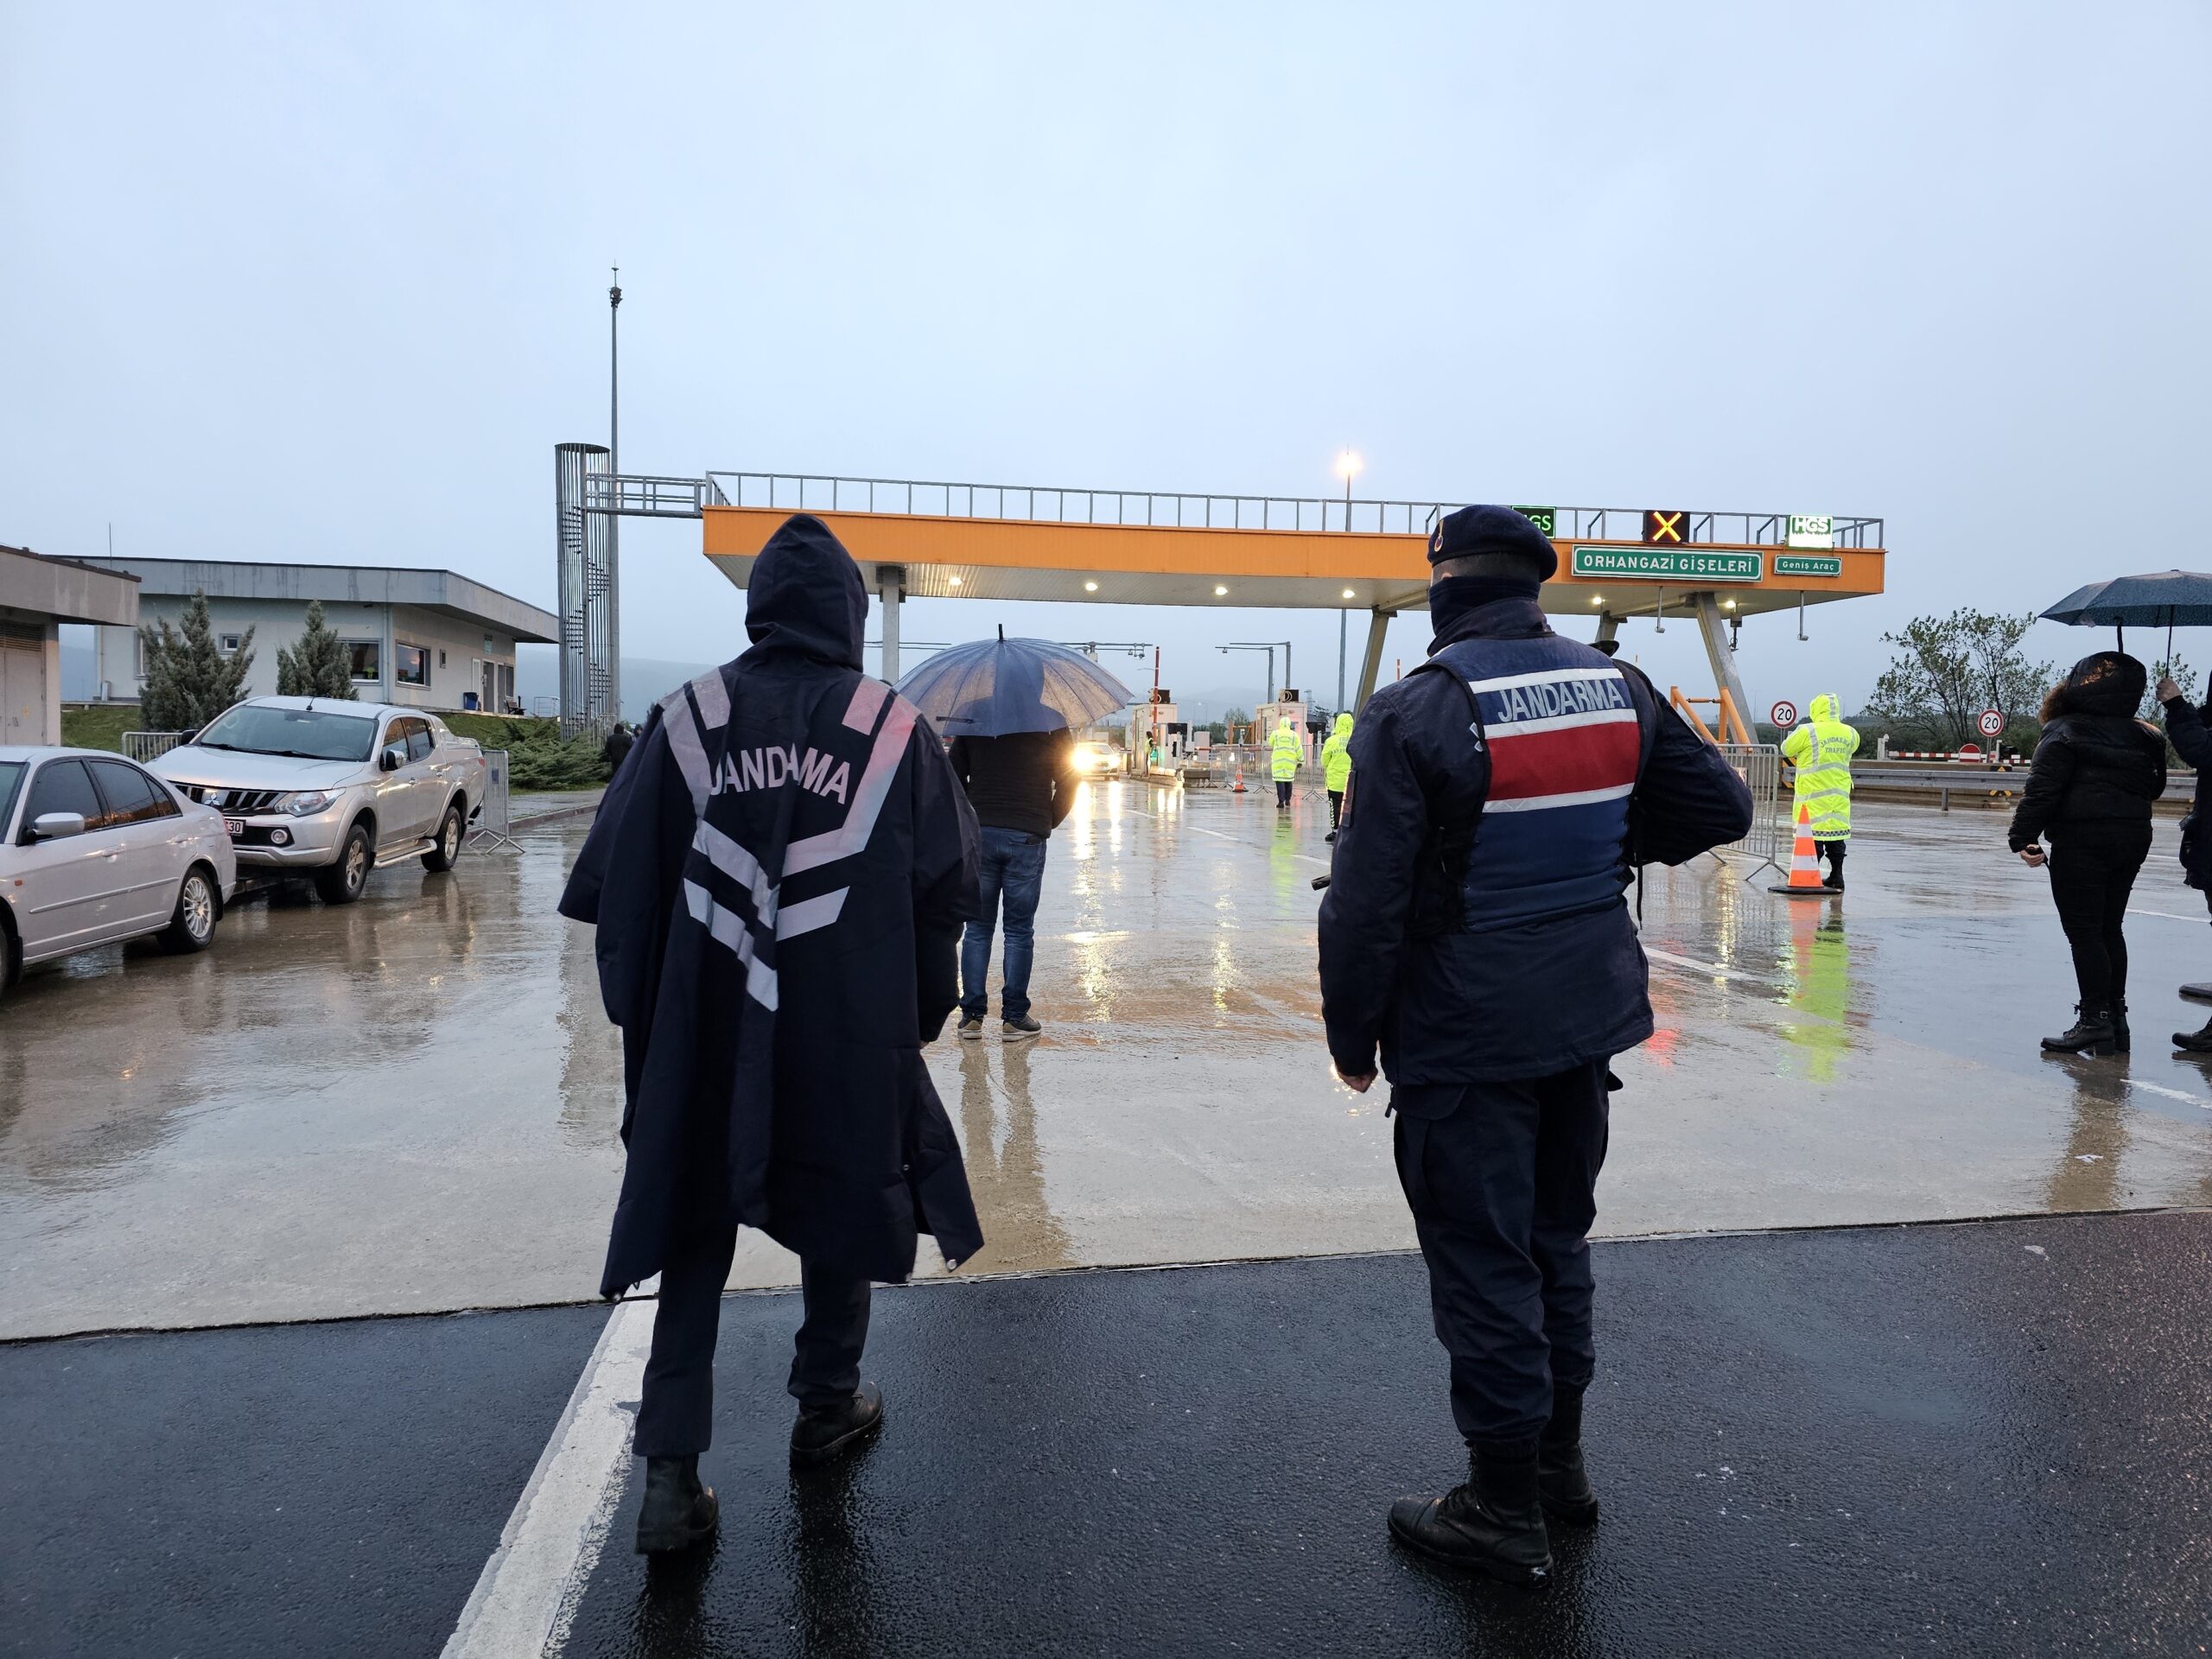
(538, 757)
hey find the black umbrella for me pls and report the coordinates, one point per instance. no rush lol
(996, 687)
(2170, 598)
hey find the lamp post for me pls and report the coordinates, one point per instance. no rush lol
(613, 711)
(1348, 467)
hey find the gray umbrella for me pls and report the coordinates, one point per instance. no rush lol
(991, 687)
(2169, 599)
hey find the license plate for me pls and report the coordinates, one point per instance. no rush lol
(234, 826)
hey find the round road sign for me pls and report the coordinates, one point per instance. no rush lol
(1991, 722)
(1783, 715)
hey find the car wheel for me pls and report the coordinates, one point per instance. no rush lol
(451, 829)
(341, 883)
(199, 907)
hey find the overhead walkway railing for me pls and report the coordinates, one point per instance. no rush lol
(687, 498)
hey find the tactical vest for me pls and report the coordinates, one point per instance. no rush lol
(1563, 735)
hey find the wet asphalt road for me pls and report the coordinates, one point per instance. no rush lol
(411, 1105)
(1990, 1438)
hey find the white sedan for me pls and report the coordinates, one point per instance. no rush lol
(97, 850)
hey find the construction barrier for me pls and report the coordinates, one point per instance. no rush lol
(1804, 862)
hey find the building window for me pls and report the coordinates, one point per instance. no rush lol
(411, 665)
(227, 644)
(367, 657)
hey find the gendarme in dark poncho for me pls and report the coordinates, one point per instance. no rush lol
(778, 876)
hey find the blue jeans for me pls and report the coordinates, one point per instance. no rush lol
(1014, 868)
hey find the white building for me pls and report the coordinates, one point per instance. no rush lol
(37, 595)
(425, 638)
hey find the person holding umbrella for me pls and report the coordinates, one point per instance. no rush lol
(1010, 706)
(2096, 770)
(2188, 728)
(2168, 600)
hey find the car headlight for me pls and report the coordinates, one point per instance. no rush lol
(307, 802)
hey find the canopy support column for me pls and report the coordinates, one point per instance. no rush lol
(1714, 627)
(1378, 624)
(890, 587)
(1609, 626)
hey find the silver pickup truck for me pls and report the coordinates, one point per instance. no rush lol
(332, 790)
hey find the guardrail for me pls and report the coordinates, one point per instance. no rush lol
(1069, 505)
(1943, 782)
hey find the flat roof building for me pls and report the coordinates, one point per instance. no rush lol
(423, 638)
(37, 595)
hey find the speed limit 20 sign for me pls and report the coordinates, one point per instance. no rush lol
(1783, 715)
(1991, 722)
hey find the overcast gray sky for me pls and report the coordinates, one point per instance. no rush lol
(328, 283)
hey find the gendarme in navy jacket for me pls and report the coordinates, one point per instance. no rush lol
(779, 875)
(1514, 956)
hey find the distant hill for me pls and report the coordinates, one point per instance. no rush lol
(645, 680)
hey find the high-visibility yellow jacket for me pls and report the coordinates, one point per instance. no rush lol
(1336, 756)
(1284, 752)
(1821, 749)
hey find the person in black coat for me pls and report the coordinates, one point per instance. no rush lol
(778, 876)
(2188, 728)
(2096, 770)
(616, 749)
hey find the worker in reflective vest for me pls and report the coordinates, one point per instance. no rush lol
(1821, 749)
(1284, 752)
(1336, 770)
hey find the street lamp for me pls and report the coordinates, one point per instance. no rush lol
(1348, 466)
(1274, 687)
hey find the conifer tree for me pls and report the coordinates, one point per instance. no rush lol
(318, 666)
(187, 681)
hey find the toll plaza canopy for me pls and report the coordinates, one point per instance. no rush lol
(979, 541)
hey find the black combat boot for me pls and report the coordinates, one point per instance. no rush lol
(2093, 1033)
(823, 1432)
(2119, 1038)
(678, 1512)
(1562, 1484)
(1494, 1523)
(2197, 1042)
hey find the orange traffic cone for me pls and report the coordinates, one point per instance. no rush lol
(1237, 788)
(1804, 864)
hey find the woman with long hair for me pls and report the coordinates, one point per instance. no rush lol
(2097, 769)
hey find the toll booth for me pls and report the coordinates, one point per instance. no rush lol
(1288, 709)
(1154, 723)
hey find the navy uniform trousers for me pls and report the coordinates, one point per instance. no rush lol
(1502, 1184)
(676, 1416)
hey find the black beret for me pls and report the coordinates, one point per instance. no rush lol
(1475, 531)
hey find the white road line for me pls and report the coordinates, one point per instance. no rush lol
(1712, 968)
(1249, 846)
(2170, 1094)
(531, 1587)
(2167, 914)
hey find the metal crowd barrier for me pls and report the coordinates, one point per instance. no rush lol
(142, 747)
(1759, 765)
(494, 825)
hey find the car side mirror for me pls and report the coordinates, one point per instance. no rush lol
(392, 759)
(57, 826)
